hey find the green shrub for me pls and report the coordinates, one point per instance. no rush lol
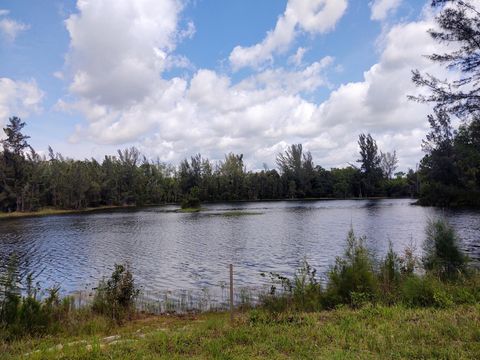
(443, 256)
(27, 315)
(352, 273)
(307, 291)
(302, 293)
(408, 261)
(32, 317)
(426, 291)
(116, 296)
(9, 294)
(390, 276)
(418, 291)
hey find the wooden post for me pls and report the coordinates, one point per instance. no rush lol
(231, 292)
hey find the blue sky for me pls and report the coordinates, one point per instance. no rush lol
(176, 77)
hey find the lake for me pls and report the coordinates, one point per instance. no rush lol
(172, 251)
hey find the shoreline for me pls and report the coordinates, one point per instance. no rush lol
(52, 211)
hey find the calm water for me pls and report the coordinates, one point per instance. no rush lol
(172, 251)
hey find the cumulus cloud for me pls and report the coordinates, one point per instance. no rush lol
(379, 103)
(118, 86)
(118, 48)
(312, 16)
(381, 8)
(18, 98)
(9, 28)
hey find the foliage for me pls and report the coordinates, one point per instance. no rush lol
(28, 315)
(459, 26)
(370, 161)
(302, 293)
(30, 182)
(390, 276)
(353, 277)
(443, 256)
(388, 163)
(298, 170)
(358, 278)
(191, 201)
(419, 291)
(450, 169)
(10, 293)
(116, 296)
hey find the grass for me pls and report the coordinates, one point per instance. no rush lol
(367, 333)
(54, 211)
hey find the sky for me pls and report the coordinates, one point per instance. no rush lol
(180, 77)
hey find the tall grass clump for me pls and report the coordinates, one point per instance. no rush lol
(443, 256)
(352, 280)
(116, 296)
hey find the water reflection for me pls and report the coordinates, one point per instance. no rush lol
(170, 250)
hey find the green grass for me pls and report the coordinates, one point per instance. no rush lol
(368, 333)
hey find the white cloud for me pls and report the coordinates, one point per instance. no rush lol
(9, 28)
(18, 98)
(118, 48)
(305, 80)
(379, 103)
(122, 94)
(297, 58)
(312, 16)
(381, 8)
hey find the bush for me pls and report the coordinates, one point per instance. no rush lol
(307, 291)
(10, 293)
(417, 291)
(390, 276)
(20, 316)
(116, 296)
(443, 256)
(352, 274)
(426, 291)
(303, 293)
(408, 262)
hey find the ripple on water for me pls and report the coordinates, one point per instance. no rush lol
(177, 251)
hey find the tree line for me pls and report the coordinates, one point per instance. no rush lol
(450, 169)
(29, 181)
(449, 173)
